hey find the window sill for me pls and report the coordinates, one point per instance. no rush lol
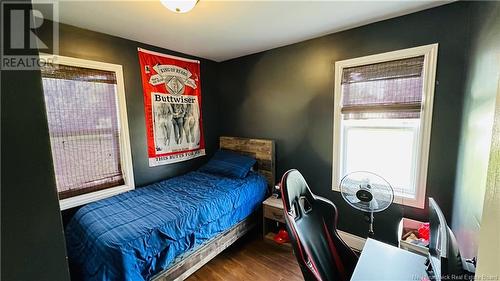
(93, 196)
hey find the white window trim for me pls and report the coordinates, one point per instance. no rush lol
(124, 138)
(429, 74)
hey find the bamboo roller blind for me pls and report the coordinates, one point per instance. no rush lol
(390, 89)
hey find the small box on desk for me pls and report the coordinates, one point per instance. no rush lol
(406, 225)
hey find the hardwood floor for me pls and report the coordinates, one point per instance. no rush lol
(251, 259)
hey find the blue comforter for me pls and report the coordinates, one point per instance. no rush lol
(134, 235)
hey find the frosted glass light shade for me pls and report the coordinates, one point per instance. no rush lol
(179, 6)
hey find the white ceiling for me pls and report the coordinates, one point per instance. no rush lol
(221, 30)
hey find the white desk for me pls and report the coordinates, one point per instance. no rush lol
(380, 261)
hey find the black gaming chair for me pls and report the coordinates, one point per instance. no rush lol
(312, 226)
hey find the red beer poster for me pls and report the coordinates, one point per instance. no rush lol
(172, 104)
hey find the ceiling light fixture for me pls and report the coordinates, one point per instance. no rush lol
(179, 6)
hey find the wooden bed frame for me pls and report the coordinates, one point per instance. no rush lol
(187, 263)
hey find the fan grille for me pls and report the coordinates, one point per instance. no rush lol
(378, 187)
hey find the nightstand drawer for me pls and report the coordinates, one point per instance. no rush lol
(274, 214)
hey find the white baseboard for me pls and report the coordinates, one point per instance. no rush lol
(352, 240)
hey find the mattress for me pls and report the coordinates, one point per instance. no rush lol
(134, 235)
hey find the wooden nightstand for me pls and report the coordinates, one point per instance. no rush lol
(272, 211)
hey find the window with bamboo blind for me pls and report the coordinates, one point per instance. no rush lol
(382, 119)
(86, 115)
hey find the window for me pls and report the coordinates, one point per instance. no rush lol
(382, 119)
(88, 128)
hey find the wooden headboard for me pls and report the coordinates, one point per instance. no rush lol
(260, 149)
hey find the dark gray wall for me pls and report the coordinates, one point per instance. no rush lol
(483, 68)
(32, 234)
(32, 243)
(286, 94)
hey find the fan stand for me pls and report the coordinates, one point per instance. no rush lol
(369, 219)
(367, 192)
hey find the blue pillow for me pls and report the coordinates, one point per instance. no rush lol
(229, 164)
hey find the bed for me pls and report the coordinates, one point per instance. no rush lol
(167, 230)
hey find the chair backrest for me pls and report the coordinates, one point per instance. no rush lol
(312, 225)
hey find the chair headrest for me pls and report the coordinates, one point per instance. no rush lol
(294, 186)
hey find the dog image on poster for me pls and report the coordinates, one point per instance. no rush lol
(172, 97)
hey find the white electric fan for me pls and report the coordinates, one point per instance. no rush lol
(367, 192)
